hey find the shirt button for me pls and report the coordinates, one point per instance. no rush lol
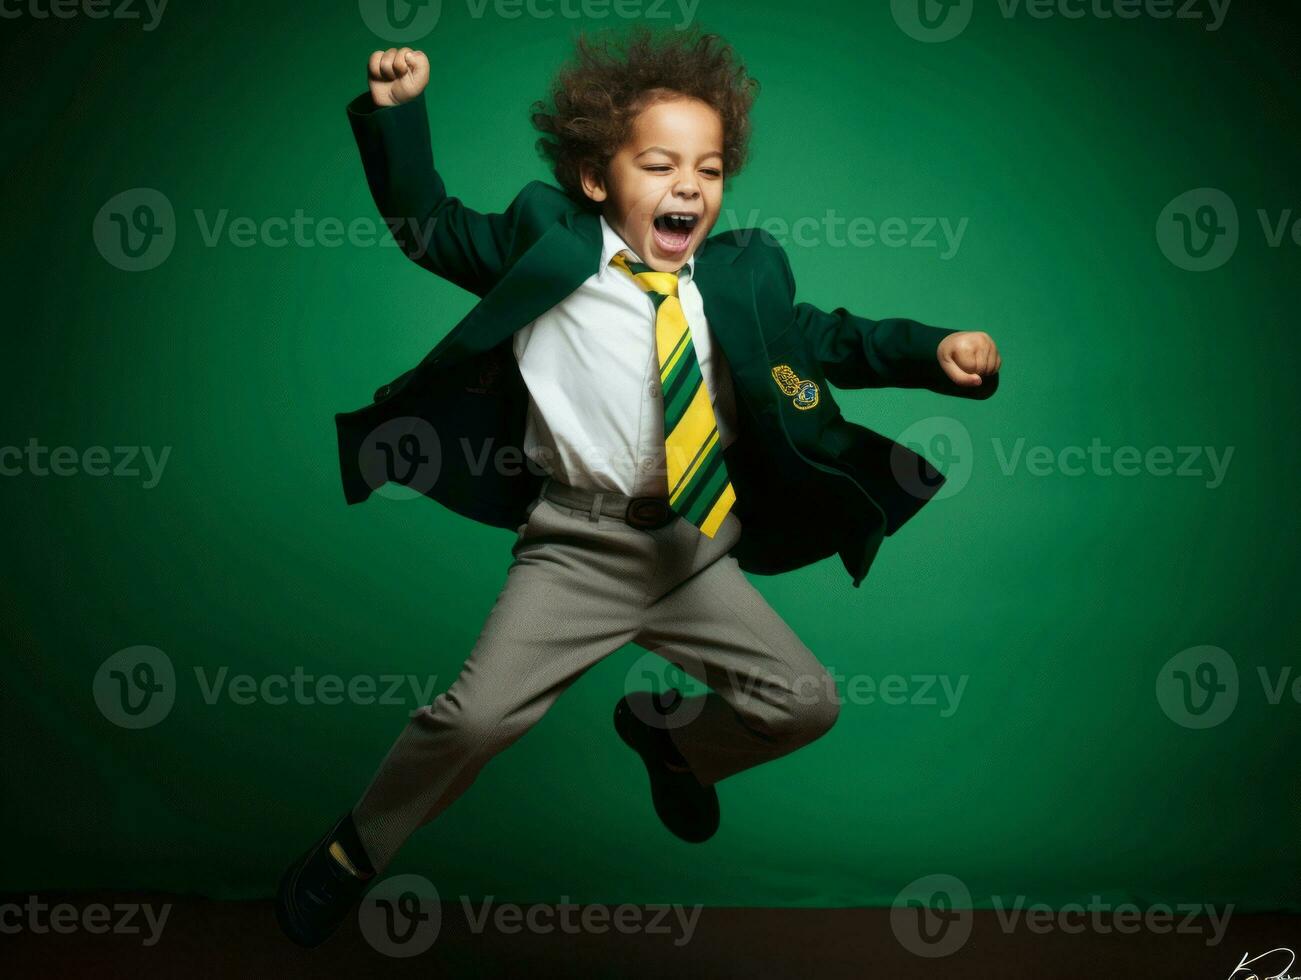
(653, 389)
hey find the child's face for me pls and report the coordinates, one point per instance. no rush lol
(671, 165)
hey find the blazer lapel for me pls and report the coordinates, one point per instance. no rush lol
(553, 267)
(728, 297)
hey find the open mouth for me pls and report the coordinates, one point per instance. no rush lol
(673, 230)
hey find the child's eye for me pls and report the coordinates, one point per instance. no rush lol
(713, 173)
(660, 167)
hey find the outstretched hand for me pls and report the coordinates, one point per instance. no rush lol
(968, 356)
(397, 75)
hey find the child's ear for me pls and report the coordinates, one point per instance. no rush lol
(593, 184)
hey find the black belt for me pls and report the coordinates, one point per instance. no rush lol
(646, 513)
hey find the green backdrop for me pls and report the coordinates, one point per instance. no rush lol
(1058, 589)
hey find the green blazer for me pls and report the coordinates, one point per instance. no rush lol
(809, 483)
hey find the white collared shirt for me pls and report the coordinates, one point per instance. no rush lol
(596, 413)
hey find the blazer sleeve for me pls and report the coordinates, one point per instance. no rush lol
(437, 232)
(856, 352)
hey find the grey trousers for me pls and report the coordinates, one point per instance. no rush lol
(581, 585)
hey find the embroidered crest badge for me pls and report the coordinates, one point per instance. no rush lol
(804, 394)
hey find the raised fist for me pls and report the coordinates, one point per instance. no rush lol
(397, 75)
(969, 356)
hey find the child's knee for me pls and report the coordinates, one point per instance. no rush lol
(475, 730)
(811, 711)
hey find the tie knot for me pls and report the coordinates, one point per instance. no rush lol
(660, 283)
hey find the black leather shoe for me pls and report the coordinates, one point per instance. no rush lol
(316, 893)
(688, 809)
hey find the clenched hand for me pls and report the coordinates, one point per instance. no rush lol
(968, 356)
(397, 75)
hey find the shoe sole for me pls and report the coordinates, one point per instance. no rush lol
(624, 716)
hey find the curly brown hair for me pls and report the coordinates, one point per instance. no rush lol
(597, 95)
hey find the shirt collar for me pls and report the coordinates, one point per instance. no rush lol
(612, 244)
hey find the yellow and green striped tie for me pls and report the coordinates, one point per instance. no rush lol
(699, 488)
